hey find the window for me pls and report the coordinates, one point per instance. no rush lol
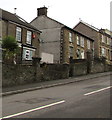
(27, 54)
(70, 37)
(18, 34)
(103, 38)
(28, 40)
(108, 56)
(103, 51)
(82, 41)
(78, 40)
(108, 41)
(70, 51)
(111, 55)
(80, 54)
(88, 44)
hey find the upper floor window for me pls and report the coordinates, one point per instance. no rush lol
(29, 36)
(103, 38)
(70, 37)
(88, 44)
(78, 40)
(82, 41)
(18, 34)
(108, 41)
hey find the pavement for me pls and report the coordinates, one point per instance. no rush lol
(46, 84)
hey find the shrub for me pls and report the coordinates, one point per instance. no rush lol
(10, 47)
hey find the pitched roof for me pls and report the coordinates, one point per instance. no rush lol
(72, 29)
(90, 26)
(16, 19)
(64, 27)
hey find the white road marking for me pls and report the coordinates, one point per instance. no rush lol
(98, 90)
(32, 110)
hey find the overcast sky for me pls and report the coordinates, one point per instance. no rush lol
(68, 12)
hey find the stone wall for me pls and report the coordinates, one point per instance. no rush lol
(54, 71)
(13, 75)
(83, 67)
(17, 74)
(79, 67)
(23, 74)
(97, 66)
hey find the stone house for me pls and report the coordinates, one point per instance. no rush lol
(59, 40)
(102, 40)
(26, 35)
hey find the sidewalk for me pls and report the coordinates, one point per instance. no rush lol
(47, 84)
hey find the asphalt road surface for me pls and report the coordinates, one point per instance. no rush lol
(84, 99)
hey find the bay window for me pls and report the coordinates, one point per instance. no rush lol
(27, 54)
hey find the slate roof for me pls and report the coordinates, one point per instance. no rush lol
(16, 19)
(90, 26)
(64, 26)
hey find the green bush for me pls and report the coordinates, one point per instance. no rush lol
(10, 47)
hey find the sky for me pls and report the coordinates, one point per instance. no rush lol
(68, 12)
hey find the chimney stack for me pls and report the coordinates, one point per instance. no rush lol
(42, 11)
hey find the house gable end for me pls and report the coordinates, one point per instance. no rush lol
(44, 22)
(86, 30)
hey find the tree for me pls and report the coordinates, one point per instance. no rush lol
(10, 48)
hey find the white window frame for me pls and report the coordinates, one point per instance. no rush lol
(78, 40)
(103, 51)
(103, 38)
(82, 54)
(29, 37)
(108, 41)
(71, 51)
(82, 41)
(88, 44)
(70, 37)
(27, 54)
(18, 34)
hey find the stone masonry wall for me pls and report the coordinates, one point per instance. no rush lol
(54, 71)
(13, 75)
(17, 75)
(77, 69)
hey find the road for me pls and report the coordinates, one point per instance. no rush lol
(84, 99)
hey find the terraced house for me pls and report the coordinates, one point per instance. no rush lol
(60, 40)
(26, 35)
(102, 40)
